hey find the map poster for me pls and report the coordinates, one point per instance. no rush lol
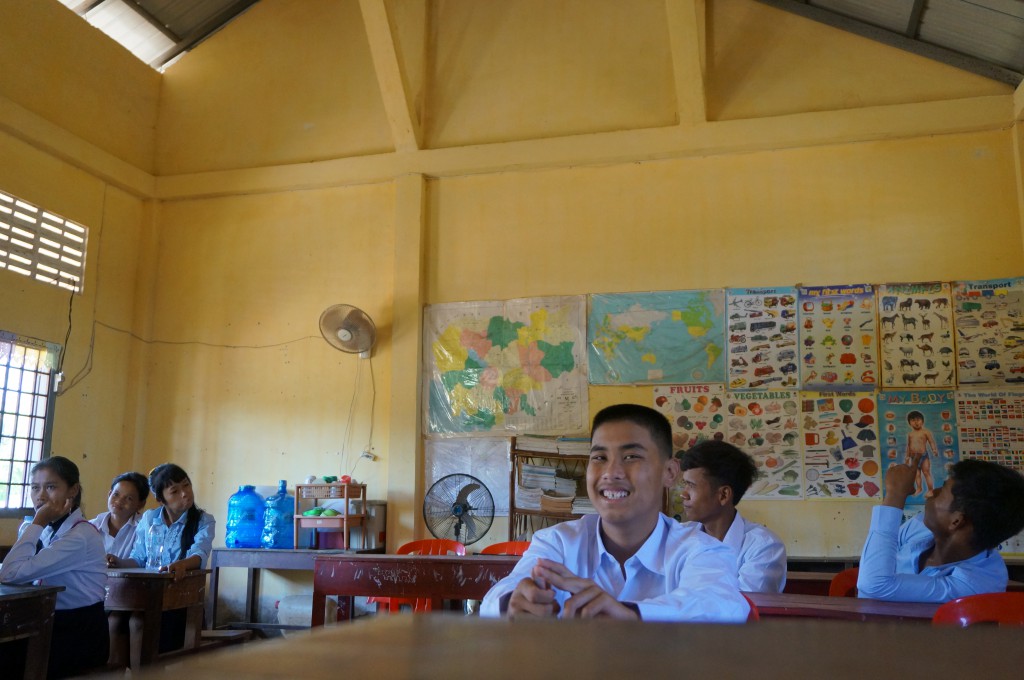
(762, 337)
(512, 367)
(989, 321)
(841, 448)
(766, 425)
(837, 338)
(696, 413)
(917, 337)
(662, 337)
(919, 425)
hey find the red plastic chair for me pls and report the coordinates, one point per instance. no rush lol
(754, 615)
(506, 548)
(427, 546)
(1004, 609)
(844, 584)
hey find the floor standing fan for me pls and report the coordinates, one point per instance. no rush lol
(458, 507)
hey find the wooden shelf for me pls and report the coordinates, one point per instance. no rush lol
(344, 522)
(521, 520)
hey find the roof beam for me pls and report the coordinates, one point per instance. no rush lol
(686, 35)
(397, 102)
(900, 41)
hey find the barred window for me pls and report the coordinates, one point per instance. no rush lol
(27, 370)
(40, 244)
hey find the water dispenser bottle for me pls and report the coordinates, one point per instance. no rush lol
(278, 519)
(245, 518)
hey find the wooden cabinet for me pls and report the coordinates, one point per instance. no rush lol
(349, 500)
(522, 522)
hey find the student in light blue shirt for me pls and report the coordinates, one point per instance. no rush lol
(629, 561)
(949, 550)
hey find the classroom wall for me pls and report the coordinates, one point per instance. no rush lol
(269, 188)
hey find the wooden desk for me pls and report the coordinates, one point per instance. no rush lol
(448, 577)
(456, 648)
(253, 560)
(845, 608)
(817, 583)
(26, 612)
(152, 593)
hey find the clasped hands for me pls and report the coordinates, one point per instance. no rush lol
(535, 596)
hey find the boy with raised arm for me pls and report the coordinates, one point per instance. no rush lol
(949, 550)
(715, 477)
(628, 561)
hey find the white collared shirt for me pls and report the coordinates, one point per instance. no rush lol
(170, 538)
(762, 556)
(678, 574)
(72, 557)
(121, 545)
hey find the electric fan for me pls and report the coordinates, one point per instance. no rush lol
(349, 329)
(458, 507)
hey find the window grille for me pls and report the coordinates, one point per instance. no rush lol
(40, 244)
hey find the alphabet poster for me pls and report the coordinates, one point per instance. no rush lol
(841, 447)
(989, 321)
(837, 337)
(919, 426)
(917, 336)
(762, 337)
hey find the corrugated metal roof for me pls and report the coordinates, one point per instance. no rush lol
(158, 31)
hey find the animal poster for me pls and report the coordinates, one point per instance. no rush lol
(989, 321)
(919, 428)
(766, 425)
(917, 337)
(841, 447)
(762, 338)
(837, 338)
(697, 413)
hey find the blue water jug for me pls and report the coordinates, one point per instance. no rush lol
(245, 518)
(278, 519)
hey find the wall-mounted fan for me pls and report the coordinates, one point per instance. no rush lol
(349, 329)
(458, 507)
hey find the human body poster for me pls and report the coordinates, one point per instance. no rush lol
(762, 338)
(989, 321)
(837, 338)
(840, 443)
(516, 366)
(918, 428)
(917, 350)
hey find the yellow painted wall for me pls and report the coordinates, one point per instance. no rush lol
(59, 67)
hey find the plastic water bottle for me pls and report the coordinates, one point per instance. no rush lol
(278, 519)
(245, 518)
(26, 520)
(154, 549)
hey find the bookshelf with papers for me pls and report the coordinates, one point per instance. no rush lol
(547, 484)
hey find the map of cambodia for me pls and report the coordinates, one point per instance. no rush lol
(515, 366)
(658, 337)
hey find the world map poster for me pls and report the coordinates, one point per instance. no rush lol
(511, 367)
(660, 337)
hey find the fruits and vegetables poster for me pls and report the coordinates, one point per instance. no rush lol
(762, 337)
(841, 448)
(837, 338)
(919, 427)
(989, 321)
(917, 338)
(766, 425)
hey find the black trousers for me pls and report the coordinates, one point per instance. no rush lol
(80, 641)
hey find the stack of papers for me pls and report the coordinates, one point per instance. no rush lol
(574, 446)
(537, 476)
(557, 503)
(563, 446)
(527, 498)
(581, 505)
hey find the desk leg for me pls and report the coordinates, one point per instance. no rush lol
(319, 607)
(210, 611)
(193, 626)
(145, 636)
(252, 600)
(37, 652)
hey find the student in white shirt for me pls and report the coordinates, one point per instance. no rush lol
(715, 477)
(950, 549)
(61, 548)
(629, 561)
(127, 497)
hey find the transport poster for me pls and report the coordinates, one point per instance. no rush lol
(837, 338)
(917, 348)
(989, 321)
(762, 338)
(918, 428)
(840, 444)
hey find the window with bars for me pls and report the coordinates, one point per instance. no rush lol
(27, 370)
(40, 244)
